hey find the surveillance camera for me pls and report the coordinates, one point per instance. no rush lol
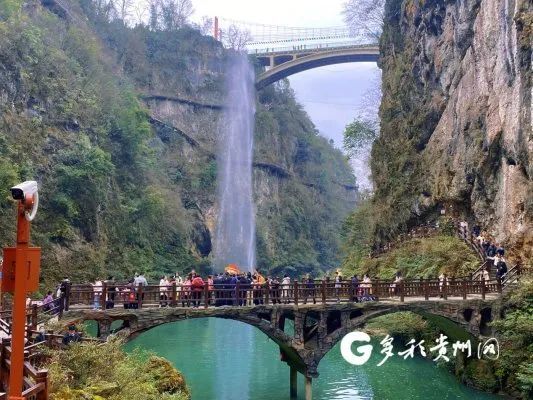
(24, 189)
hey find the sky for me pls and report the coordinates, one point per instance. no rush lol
(331, 95)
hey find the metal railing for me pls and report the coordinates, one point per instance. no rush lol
(307, 48)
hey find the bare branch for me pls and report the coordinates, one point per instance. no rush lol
(236, 38)
(365, 17)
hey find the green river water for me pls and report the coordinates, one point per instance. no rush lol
(229, 360)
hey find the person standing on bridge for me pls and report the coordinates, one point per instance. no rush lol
(366, 285)
(111, 292)
(354, 283)
(163, 291)
(285, 286)
(97, 293)
(338, 285)
(197, 285)
(274, 290)
(309, 290)
(138, 282)
(186, 291)
(393, 288)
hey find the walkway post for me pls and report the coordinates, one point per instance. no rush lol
(445, 287)
(296, 292)
(483, 287)
(464, 288)
(267, 292)
(173, 296)
(140, 297)
(103, 301)
(206, 295)
(323, 289)
(294, 382)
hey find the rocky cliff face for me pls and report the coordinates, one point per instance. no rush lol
(457, 104)
(294, 190)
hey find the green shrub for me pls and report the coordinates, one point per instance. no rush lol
(418, 258)
(515, 332)
(104, 371)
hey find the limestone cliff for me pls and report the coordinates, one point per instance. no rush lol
(456, 115)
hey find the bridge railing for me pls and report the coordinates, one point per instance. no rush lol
(310, 48)
(243, 294)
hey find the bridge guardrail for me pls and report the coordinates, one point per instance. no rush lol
(311, 48)
(242, 294)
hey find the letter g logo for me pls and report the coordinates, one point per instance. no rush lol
(364, 351)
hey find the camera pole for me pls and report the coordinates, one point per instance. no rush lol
(16, 374)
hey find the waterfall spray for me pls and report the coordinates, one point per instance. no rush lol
(235, 233)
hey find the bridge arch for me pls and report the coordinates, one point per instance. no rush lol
(293, 64)
(317, 328)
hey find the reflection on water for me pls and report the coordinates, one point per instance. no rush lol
(229, 360)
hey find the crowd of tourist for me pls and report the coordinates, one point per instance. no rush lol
(228, 288)
(492, 250)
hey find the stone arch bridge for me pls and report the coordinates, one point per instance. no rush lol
(317, 327)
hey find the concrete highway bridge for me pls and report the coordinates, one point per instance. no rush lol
(283, 62)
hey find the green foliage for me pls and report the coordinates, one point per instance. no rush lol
(81, 131)
(298, 228)
(404, 325)
(358, 135)
(9, 8)
(104, 371)
(480, 374)
(357, 234)
(515, 332)
(417, 258)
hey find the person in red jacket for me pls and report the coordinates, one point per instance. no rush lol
(197, 285)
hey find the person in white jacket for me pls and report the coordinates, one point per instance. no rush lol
(285, 292)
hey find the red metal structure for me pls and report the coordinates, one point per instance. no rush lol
(20, 275)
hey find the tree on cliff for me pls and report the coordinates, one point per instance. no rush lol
(169, 15)
(365, 17)
(236, 38)
(361, 133)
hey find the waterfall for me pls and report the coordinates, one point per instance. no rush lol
(235, 232)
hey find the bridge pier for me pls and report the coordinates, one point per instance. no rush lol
(294, 385)
(308, 388)
(293, 382)
(103, 329)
